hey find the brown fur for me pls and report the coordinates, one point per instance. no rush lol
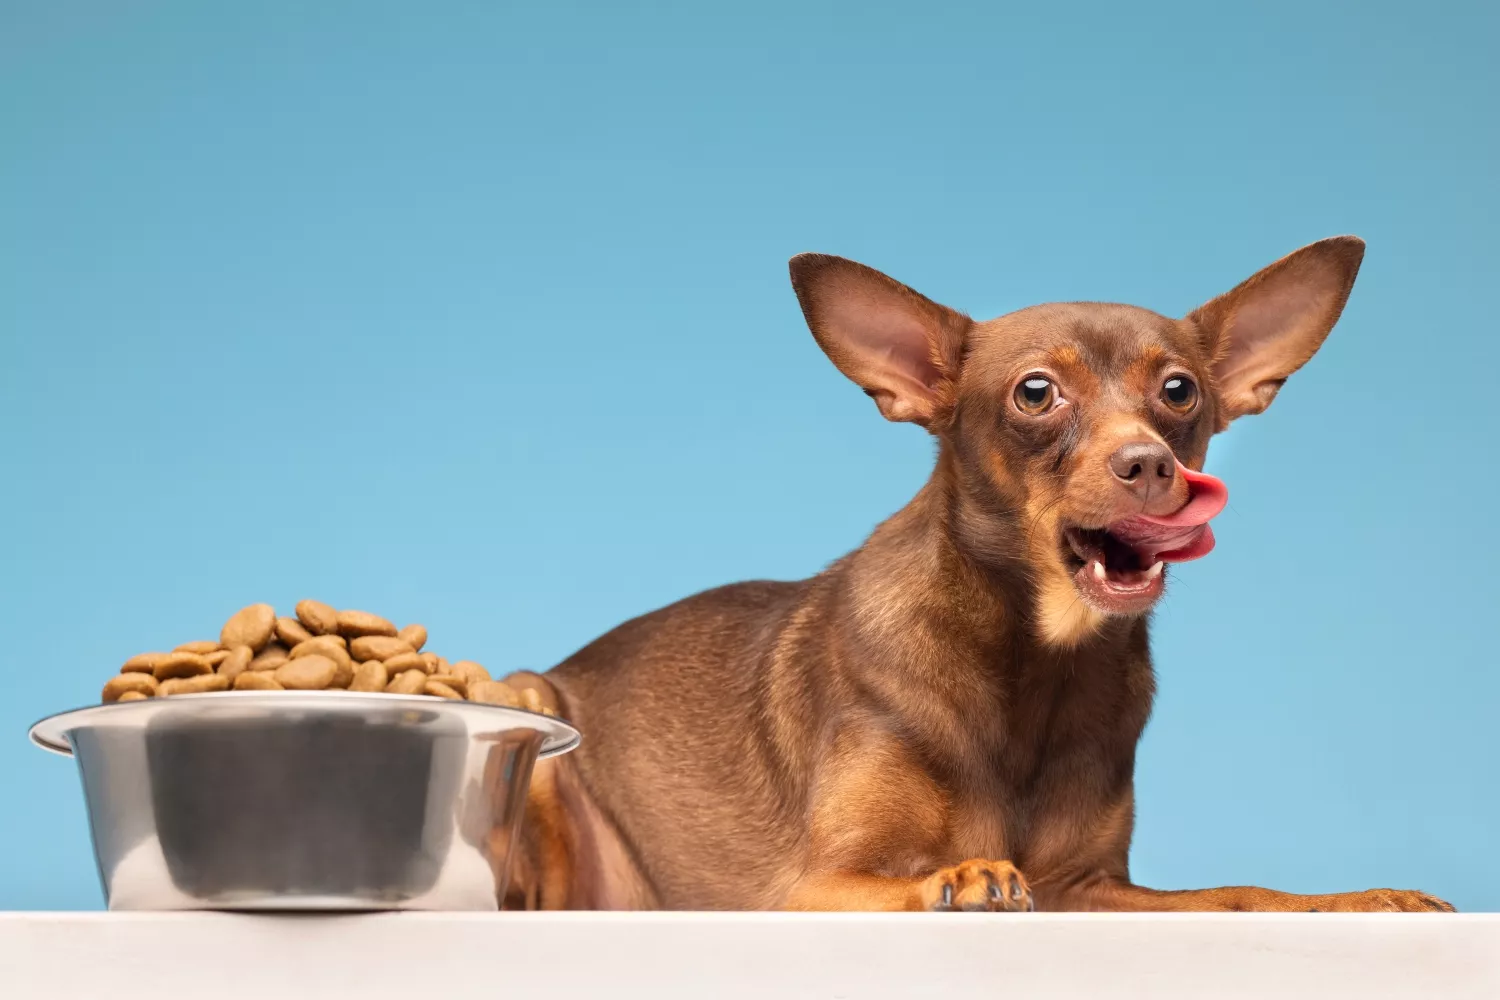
(941, 710)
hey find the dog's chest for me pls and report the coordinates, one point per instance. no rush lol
(1054, 773)
(1051, 819)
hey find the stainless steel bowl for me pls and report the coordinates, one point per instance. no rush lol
(306, 800)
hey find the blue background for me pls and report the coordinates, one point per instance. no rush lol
(476, 314)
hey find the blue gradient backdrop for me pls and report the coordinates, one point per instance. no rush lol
(476, 314)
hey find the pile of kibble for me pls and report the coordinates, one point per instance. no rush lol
(319, 649)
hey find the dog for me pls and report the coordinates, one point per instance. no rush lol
(947, 717)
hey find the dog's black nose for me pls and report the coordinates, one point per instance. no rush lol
(1144, 466)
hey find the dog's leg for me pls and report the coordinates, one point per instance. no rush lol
(542, 869)
(1096, 878)
(569, 856)
(975, 885)
(879, 828)
(1243, 898)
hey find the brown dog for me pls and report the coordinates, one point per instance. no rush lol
(958, 701)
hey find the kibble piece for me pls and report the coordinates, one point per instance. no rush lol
(142, 663)
(132, 696)
(441, 666)
(177, 664)
(356, 623)
(332, 647)
(201, 646)
(217, 657)
(134, 682)
(291, 632)
(378, 647)
(327, 645)
(312, 672)
(203, 684)
(237, 662)
(256, 681)
(429, 662)
(318, 617)
(470, 671)
(494, 693)
(370, 676)
(454, 681)
(415, 636)
(404, 661)
(441, 690)
(411, 682)
(270, 658)
(530, 700)
(252, 626)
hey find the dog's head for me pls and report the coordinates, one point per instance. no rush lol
(1071, 431)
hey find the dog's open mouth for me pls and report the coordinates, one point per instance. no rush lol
(1119, 568)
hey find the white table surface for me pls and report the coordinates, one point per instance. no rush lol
(558, 956)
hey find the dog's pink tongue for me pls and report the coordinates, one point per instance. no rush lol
(1180, 536)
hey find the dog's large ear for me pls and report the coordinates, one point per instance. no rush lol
(1271, 324)
(900, 347)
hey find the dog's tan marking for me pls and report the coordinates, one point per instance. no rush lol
(1065, 619)
(1061, 616)
(1140, 371)
(1066, 356)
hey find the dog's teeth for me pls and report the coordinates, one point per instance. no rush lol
(1155, 570)
(1099, 573)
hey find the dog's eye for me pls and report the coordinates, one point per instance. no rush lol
(1179, 393)
(1035, 395)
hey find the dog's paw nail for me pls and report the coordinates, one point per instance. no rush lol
(948, 896)
(1016, 892)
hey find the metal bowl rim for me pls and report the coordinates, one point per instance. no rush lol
(51, 733)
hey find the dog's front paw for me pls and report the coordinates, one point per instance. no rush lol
(1383, 901)
(994, 886)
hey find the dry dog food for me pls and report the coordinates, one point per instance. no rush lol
(318, 649)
